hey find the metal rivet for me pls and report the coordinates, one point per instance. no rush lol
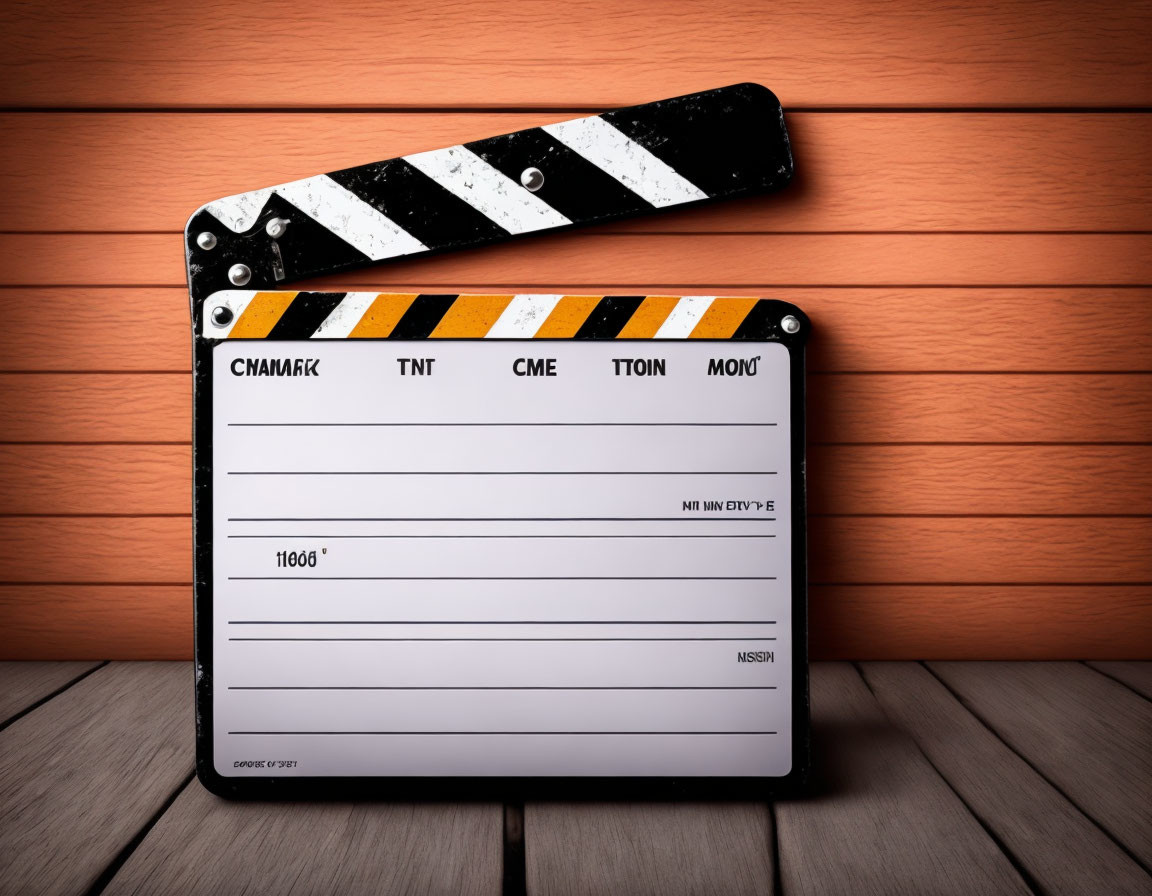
(206, 240)
(276, 227)
(790, 324)
(532, 179)
(221, 315)
(239, 274)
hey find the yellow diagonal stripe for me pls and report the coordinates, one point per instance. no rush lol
(258, 319)
(567, 317)
(470, 317)
(723, 316)
(382, 315)
(653, 311)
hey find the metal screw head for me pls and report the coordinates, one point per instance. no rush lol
(221, 315)
(206, 240)
(532, 179)
(239, 274)
(790, 324)
(276, 227)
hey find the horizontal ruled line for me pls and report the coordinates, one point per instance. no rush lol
(502, 639)
(557, 423)
(502, 622)
(501, 519)
(504, 733)
(738, 535)
(501, 472)
(502, 687)
(502, 578)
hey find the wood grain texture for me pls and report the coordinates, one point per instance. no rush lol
(970, 230)
(1033, 329)
(844, 479)
(1061, 850)
(205, 845)
(22, 684)
(843, 550)
(637, 260)
(842, 408)
(1050, 53)
(662, 849)
(123, 622)
(980, 622)
(880, 820)
(895, 622)
(1136, 675)
(861, 172)
(82, 774)
(1085, 733)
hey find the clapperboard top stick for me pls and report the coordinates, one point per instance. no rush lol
(717, 144)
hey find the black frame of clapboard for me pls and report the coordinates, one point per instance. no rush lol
(500, 787)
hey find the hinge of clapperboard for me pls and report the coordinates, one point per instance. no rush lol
(718, 144)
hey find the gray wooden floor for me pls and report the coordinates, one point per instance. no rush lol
(938, 778)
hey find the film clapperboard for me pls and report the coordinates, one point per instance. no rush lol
(453, 544)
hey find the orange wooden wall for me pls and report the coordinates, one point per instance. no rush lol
(970, 230)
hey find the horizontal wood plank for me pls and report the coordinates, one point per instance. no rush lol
(1085, 733)
(1061, 850)
(647, 261)
(81, 775)
(842, 408)
(974, 479)
(1136, 675)
(882, 622)
(856, 329)
(878, 819)
(205, 845)
(860, 172)
(979, 622)
(119, 622)
(663, 849)
(22, 684)
(843, 550)
(485, 54)
(843, 479)
(884, 550)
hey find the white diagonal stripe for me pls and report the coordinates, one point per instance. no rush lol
(339, 210)
(612, 150)
(235, 300)
(467, 176)
(350, 217)
(239, 212)
(684, 317)
(523, 317)
(344, 317)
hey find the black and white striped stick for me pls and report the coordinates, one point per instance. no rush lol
(717, 144)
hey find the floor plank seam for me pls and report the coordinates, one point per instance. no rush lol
(777, 873)
(515, 871)
(107, 875)
(1025, 875)
(60, 690)
(976, 715)
(1118, 681)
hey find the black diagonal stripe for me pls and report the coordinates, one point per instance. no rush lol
(758, 324)
(307, 311)
(419, 205)
(422, 317)
(609, 317)
(572, 185)
(725, 141)
(307, 246)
